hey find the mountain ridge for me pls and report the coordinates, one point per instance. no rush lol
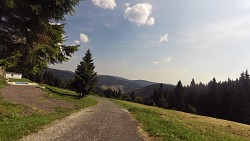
(107, 81)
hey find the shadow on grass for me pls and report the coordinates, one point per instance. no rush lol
(62, 94)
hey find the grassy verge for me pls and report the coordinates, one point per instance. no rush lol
(69, 96)
(18, 120)
(169, 125)
(2, 82)
(20, 80)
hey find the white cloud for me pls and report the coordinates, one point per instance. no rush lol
(164, 38)
(105, 4)
(77, 42)
(139, 14)
(127, 4)
(151, 21)
(236, 29)
(84, 38)
(245, 5)
(167, 60)
(156, 62)
(140, 70)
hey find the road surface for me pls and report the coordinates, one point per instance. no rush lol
(106, 121)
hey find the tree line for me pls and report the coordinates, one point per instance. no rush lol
(228, 100)
(48, 78)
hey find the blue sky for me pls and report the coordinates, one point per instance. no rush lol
(164, 40)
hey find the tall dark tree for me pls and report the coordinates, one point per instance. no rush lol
(159, 98)
(179, 96)
(192, 98)
(30, 36)
(240, 106)
(85, 77)
(132, 96)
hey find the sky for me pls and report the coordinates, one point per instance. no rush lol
(162, 41)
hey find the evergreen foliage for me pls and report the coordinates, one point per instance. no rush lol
(48, 78)
(30, 36)
(112, 93)
(85, 77)
(227, 100)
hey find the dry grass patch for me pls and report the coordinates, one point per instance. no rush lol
(174, 125)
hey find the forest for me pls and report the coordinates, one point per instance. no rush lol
(228, 100)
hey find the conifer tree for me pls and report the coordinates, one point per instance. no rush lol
(132, 96)
(179, 96)
(31, 37)
(85, 77)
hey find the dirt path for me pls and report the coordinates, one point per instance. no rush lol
(32, 96)
(106, 121)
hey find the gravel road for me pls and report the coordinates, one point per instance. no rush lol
(106, 121)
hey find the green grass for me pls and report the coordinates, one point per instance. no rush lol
(2, 82)
(169, 125)
(20, 80)
(18, 120)
(69, 96)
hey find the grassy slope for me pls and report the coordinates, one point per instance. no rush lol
(169, 125)
(17, 120)
(19, 80)
(2, 82)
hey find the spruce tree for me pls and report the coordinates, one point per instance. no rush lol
(179, 96)
(85, 77)
(132, 96)
(30, 36)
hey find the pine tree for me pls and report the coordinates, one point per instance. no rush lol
(85, 77)
(179, 96)
(29, 41)
(132, 96)
(192, 100)
(240, 106)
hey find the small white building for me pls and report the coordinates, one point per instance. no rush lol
(12, 75)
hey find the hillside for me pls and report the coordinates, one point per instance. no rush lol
(143, 83)
(164, 124)
(63, 74)
(146, 92)
(106, 81)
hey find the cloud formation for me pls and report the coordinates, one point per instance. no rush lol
(77, 42)
(245, 5)
(164, 38)
(235, 29)
(139, 14)
(84, 38)
(105, 4)
(156, 62)
(127, 4)
(167, 60)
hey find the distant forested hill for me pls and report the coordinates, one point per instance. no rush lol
(106, 81)
(148, 91)
(63, 74)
